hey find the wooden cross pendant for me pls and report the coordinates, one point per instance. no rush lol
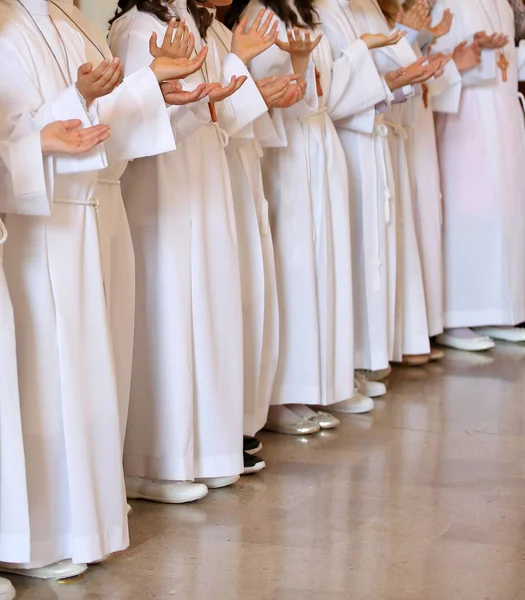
(425, 94)
(318, 83)
(503, 65)
(213, 112)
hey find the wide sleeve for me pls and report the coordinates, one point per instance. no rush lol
(136, 112)
(26, 176)
(246, 105)
(356, 84)
(24, 110)
(129, 40)
(445, 91)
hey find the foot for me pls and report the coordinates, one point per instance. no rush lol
(465, 339)
(251, 445)
(436, 354)
(376, 375)
(323, 419)
(214, 483)
(253, 464)
(63, 569)
(357, 405)
(415, 360)
(167, 492)
(505, 334)
(283, 420)
(371, 389)
(7, 591)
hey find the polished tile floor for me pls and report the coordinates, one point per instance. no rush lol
(424, 500)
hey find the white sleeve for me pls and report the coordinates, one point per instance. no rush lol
(520, 56)
(136, 112)
(445, 91)
(27, 177)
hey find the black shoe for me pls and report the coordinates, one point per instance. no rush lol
(251, 445)
(253, 464)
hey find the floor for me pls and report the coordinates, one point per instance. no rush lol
(424, 500)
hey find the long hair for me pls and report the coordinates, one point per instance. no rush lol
(281, 8)
(159, 9)
(390, 9)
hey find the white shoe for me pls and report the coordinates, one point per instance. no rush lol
(63, 569)
(168, 492)
(377, 375)
(477, 344)
(372, 389)
(505, 334)
(215, 483)
(357, 405)
(7, 591)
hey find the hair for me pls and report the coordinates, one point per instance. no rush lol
(305, 8)
(159, 9)
(390, 9)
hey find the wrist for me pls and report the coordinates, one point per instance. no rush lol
(245, 59)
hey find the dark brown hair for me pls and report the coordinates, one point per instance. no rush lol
(159, 9)
(305, 8)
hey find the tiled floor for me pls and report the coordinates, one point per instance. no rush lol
(424, 500)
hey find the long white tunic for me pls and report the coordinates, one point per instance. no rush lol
(372, 213)
(23, 176)
(256, 256)
(482, 153)
(411, 335)
(186, 411)
(54, 271)
(150, 134)
(307, 188)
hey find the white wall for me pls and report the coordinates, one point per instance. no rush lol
(98, 11)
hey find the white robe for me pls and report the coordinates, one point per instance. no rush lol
(372, 213)
(186, 410)
(423, 162)
(23, 176)
(411, 333)
(256, 256)
(307, 188)
(147, 135)
(53, 265)
(482, 153)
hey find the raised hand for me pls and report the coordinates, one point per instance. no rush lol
(416, 17)
(95, 83)
(299, 48)
(496, 41)
(178, 42)
(274, 89)
(443, 27)
(67, 137)
(467, 57)
(174, 95)
(220, 93)
(259, 37)
(166, 68)
(442, 60)
(380, 40)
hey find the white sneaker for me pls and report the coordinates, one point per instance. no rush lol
(63, 569)
(505, 334)
(215, 483)
(168, 492)
(357, 405)
(477, 344)
(372, 389)
(377, 375)
(7, 591)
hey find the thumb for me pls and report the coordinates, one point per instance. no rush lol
(72, 124)
(85, 69)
